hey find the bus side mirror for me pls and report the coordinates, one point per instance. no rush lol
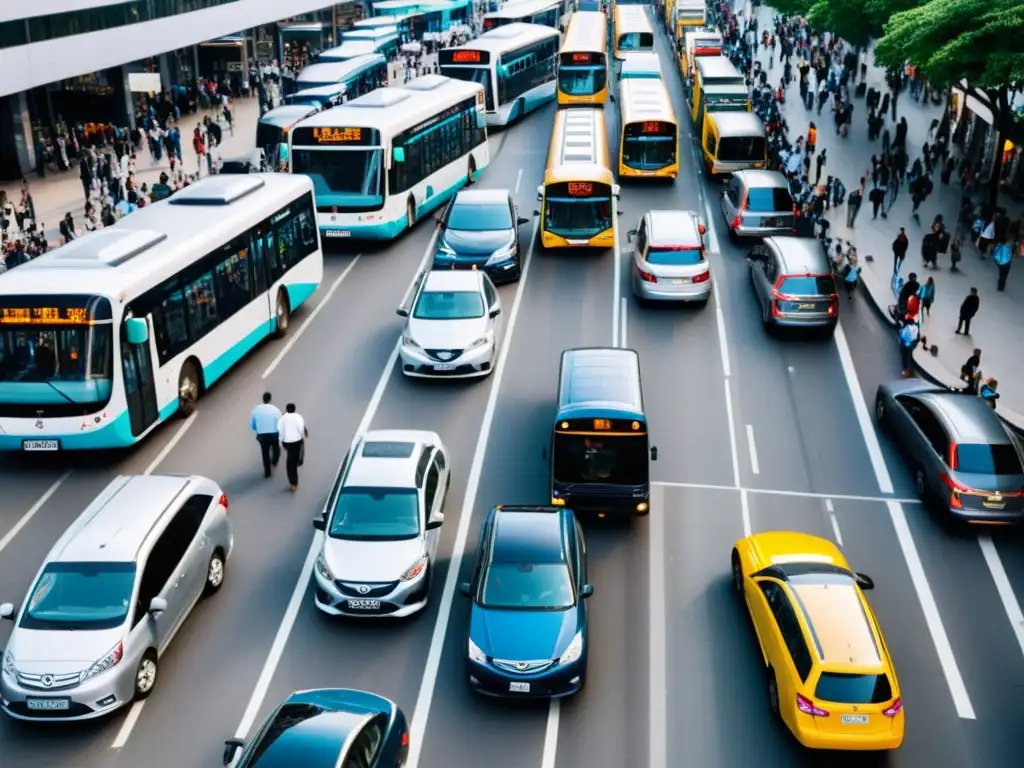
(630, 235)
(654, 453)
(136, 330)
(540, 192)
(615, 191)
(398, 154)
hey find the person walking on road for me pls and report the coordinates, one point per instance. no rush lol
(968, 309)
(292, 428)
(263, 422)
(899, 250)
(1003, 257)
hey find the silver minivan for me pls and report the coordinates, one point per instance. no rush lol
(111, 595)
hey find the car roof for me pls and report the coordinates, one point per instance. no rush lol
(482, 197)
(967, 417)
(737, 123)
(382, 462)
(838, 622)
(756, 178)
(453, 280)
(527, 536)
(799, 255)
(674, 228)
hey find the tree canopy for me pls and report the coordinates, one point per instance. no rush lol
(850, 19)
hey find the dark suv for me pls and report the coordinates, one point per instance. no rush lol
(480, 230)
(793, 283)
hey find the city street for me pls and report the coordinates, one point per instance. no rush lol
(754, 433)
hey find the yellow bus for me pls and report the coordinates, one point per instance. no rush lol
(583, 61)
(576, 196)
(633, 30)
(708, 71)
(733, 141)
(649, 139)
(688, 15)
(699, 43)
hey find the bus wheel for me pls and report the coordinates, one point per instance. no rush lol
(410, 214)
(471, 172)
(282, 313)
(188, 389)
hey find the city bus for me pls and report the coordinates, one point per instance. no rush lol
(516, 65)
(633, 30)
(324, 96)
(427, 15)
(599, 445)
(356, 76)
(703, 42)
(403, 21)
(649, 133)
(386, 40)
(349, 49)
(272, 132)
(382, 162)
(583, 61)
(547, 13)
(576, 197)
(105, 337)
(708, 71)
(688, 15)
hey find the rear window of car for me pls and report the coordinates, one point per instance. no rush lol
(978, 458)
(853, 689)
(769, 200)
(808, 285)
(675, 257)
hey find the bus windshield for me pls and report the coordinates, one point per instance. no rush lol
(612, 459)
(577, 216)
(648, 153)
(479, 75)
(582, 80)
(345, 178)
(742, 148)
(55, 364)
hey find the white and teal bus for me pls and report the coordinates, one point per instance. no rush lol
(385, 39)
(547, 13)
(385, 160)
(119, 330)
(516, 64)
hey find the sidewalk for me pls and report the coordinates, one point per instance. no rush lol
(998, 328)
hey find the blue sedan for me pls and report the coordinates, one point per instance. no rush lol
(528, 621)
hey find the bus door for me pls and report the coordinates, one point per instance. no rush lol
(259, 269)
(139, 382)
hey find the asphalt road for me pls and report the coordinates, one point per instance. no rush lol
(674, 678)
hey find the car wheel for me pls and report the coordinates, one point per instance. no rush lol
(737, 574)
(145, 675)
(282, 313)
(880, 410)
(188, 389)
(920, 484)
(773, 692)
(215, 571)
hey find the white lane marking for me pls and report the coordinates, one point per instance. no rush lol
(781, 492)
(129, 723)
(752, 446)
(1003, 587)
(418, 727)
(519, 178)
(723, 344)
(308, 321)
(745, 511)
(616, 277)
(658, 628)
(710, 225)
(625, 323)
(175, 439)
(954, 680)
(867, 429)
(551, 734)
(284, 630)
(835, 529)
(27, 517)
(828, 506)
(732, 437)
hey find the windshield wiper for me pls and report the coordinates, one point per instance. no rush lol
(49, 383)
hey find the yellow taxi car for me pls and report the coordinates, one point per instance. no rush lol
(829, 674)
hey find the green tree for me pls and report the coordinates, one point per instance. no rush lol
(792, 7)
(849, 19)
(953, 40)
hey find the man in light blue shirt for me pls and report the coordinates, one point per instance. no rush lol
(263, 423)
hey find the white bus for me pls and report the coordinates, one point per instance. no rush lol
(515, 63)
(360, 74)
(113, 333)
(385, 160)
(547, 13)
(347, 50)
(385, 39)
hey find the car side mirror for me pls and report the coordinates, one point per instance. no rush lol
(464, 588)
(520, 221)
(863, 581)
(654, 453)
(7, 611)
(320, 523)
(230, 747)
(630, 235)
(495, 312)
(157, 606)
(587, 591)
(402, 312)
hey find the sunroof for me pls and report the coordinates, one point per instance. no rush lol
(385, 450)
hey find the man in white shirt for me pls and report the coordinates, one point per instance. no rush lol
(292, 428)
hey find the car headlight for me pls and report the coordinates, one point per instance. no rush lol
(322, 569)
(445, 249)
(481, 342)
(414, 570)
(107, 662)
(475, 654)
(409, 341)
(574, 651)
(502, 254)
(9, 664)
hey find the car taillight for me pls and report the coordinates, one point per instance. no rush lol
(955, 489)
(223, 501)
(832, 308)
(703, 277)
(647, 277)
(737, 221)
(895, 709)
(405, 736)
(807, 706)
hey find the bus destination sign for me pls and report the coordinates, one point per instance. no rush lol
(580, 189)
(602, 426)
(44, 316)
(463, 56)
(338, 135)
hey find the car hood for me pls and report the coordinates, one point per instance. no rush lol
(523, 635)
(446, 334)
(57, 651)
(370, 560)
(470, 243)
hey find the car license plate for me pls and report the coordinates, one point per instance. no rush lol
(519, 687)
(772, 223)
(40, 445)
(805, 306)
(444, 367)
(364, 605)
(48, 705)
(337, 233)
(855, 719)
(995, 501)
(680, 281)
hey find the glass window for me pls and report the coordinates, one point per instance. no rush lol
(978, 458)
(768, 200)
(38, 353)
(811, 285)
(233, 278)
(582, 80)
(86, 596)
(201, 301)
(648, 153)
(348, 178)
(853, 689)
(636, 41)
(675, 257)
(527, 585)
(616, 460)
(13, 33)
(479, 75)
(376, 514)
(170, 325)
(480, 218)
(741, 149)
(577, 217)
(449, 305)
(364, 746)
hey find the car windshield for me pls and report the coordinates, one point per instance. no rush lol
(376, 514)
(769, 200)
(853, 689)
(449, 305)
(982, 459)
(480, 218)
(615, 460)
(527, 586)
(808, 285)
(80, 596)
(675, 257)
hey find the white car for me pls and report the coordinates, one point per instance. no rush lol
(452, 328)
(382, 524)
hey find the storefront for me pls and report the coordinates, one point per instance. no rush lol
(226, 59)
(971, 123)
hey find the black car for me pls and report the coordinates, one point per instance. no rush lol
(480, 230)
